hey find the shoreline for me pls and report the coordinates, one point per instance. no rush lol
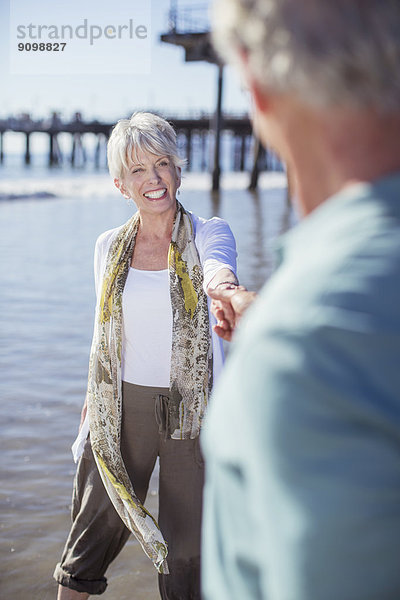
(85, 185)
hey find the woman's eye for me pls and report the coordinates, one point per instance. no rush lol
(163, 163)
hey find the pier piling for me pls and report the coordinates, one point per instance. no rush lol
(259, 153)
(217, 133)
(27, 149)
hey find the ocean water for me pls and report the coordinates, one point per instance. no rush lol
(49, 222)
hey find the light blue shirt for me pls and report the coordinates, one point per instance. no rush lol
(302, 440)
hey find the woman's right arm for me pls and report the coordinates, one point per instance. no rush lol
(100, 251)
(217, 251)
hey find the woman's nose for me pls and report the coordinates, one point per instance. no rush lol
(153, 175)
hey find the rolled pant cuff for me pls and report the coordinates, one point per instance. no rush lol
(90, 586)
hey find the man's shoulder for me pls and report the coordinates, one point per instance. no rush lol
(350, 262)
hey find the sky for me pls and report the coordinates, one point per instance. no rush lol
(157, 77)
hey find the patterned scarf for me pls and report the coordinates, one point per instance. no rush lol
(191, 369)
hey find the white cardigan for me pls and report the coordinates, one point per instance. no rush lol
(217, 250)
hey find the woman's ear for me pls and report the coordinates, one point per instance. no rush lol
(119, 185)
(178, 176)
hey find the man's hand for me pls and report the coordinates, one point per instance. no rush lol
(228, 306)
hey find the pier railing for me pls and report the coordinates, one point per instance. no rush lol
(189, 19)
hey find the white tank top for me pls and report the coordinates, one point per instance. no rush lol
(147, 328)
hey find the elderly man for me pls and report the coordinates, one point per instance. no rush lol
(302, 443)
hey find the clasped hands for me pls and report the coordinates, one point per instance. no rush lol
(229, 303)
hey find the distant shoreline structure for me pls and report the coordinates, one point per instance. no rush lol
(196, 139)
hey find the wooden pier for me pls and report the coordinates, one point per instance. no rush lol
(54, 126)
(189, 29)
(195, 133)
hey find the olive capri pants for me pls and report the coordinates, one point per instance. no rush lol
(98, 534)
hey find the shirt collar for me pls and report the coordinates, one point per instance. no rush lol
(328, 212)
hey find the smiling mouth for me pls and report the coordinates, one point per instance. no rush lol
(156, 194)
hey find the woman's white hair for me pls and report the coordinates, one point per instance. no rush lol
(143, 132)
(327, 52)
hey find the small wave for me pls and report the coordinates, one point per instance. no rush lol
(100, 186)
(24, 196)
(81, 186)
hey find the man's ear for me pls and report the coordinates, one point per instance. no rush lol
(259, 97)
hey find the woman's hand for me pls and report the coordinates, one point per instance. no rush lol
(228, 305)
(83, 414)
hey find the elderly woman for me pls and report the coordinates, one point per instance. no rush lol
(153, 362)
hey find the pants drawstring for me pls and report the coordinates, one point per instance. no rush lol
(161, 410)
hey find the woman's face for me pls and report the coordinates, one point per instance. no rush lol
(152, 182)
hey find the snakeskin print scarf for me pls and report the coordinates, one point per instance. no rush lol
(191, 369)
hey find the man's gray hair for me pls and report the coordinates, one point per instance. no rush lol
(326, 52)
(143, 132)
